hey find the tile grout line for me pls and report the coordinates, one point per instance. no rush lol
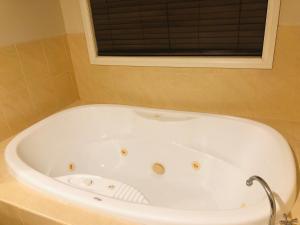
(48, 65)
(23, 77)
(26, 81)
(71, 55)
(20, 218)
(2, 115)
(71, 74)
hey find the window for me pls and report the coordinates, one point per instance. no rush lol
(219, 33)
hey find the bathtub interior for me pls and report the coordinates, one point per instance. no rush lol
(120, 146)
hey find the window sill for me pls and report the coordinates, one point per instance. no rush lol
(192, 61)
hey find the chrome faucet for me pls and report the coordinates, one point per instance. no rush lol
(268, 190)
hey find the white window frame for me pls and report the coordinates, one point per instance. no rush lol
(263, 62)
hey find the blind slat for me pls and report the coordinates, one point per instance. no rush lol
(176, 27)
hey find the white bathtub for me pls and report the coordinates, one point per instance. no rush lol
(156, 166)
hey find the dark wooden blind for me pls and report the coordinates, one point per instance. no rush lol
(179, 27)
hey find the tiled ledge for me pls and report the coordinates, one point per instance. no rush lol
(20, 205)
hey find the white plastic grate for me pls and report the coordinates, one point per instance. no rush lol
(106, 187)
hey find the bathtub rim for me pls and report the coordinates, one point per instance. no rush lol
(47, 185)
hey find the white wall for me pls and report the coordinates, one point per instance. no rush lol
(72, 16)
(25, 20)
(290, 14)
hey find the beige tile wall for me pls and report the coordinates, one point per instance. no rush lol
(11, 215)
(268, 94)
(36, 79)
(8, 215)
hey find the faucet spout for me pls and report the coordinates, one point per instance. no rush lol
(271, 198)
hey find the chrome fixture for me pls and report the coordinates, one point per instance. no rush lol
(270, 196)
(286, 220)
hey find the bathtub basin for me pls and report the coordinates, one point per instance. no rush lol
(156, 167)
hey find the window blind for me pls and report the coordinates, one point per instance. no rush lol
(179, 27)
